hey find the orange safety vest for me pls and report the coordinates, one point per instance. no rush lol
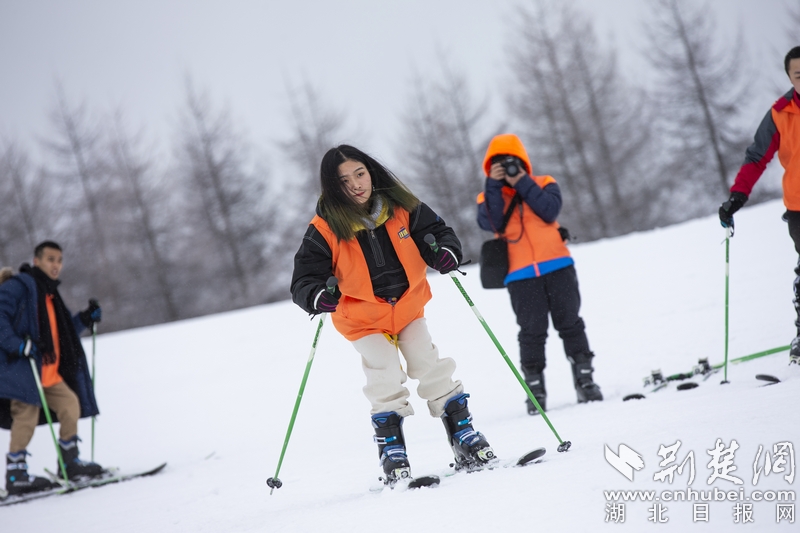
(360, 312)
(787, 121)
(531, 240)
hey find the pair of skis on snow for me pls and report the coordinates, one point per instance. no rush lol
(433, 481)
(702, 372)
(110, 477)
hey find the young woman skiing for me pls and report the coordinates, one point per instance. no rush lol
(369, 232)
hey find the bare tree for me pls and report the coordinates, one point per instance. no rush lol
(19, 197)
(315, 129)
(588, 127)
(794, 22)
(443, 146)
(87, 211)
(149, 218)
(227, 200)
(700, 99)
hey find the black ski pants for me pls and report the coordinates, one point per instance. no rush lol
(555, 294)
(793, 218)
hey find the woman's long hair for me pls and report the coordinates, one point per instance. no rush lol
(339, 209)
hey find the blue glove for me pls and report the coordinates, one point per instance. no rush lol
(91, 314)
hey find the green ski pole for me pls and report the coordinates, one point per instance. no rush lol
(728, 235)
(274, 482)
(27, 352)
(94, 343)
(563, 445)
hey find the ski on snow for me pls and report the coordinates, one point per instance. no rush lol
(790, 373)
(433, 480)
(75, 486)
(770, 380)
(656, 381)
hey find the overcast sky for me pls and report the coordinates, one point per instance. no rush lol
(362, 54)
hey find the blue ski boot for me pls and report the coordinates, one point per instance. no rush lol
(76, 468)
(391, 446)
(18, 481)
(470, 448)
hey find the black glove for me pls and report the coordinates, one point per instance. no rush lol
(326, 302)
(91, 314)
(729, 207)
(445, 260)
(564, 232)
(28, 348)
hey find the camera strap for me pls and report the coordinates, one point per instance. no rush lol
(507, 216)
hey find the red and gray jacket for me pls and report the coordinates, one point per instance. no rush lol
(778, 132)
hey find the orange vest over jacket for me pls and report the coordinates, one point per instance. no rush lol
(531, 240)
(360, 312)
(535, 247)
(787, 120)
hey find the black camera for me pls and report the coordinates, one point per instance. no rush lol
(511, 164)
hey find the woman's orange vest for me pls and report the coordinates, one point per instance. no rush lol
(360, 312)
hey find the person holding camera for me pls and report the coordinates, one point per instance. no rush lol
(541, 280)
(36, 324)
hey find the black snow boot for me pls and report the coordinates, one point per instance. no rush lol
(585, 387)
(794, 351)
(76, 468)
(391, 446)
(470, 448)
(535, 382)
(18, 481)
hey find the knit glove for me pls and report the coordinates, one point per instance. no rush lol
(326, 302)
(445, 260)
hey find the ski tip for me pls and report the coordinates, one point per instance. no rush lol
(531, 456)
(767, 377)
(424, 481)
(634, 396)
(687, 386)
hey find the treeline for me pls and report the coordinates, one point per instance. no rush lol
(164, 233)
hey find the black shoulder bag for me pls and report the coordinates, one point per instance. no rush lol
(494, 254)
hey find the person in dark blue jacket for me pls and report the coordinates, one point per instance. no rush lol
(35, 323)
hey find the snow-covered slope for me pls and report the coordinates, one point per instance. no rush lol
(213, 397)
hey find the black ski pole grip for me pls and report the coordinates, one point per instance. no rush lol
(331, 284)
(431, 240)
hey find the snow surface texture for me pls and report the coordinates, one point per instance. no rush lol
(213, 397)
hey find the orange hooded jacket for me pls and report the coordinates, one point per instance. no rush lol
(360, 312)
(535, 247)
